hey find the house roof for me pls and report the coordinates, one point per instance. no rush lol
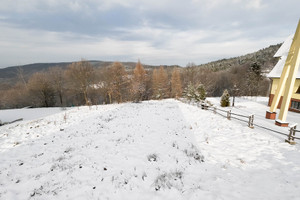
(282, 52)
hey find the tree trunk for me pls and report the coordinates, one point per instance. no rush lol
(85, 97)
(60, 98)
(109, 96)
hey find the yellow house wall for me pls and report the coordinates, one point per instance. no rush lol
(275, 82)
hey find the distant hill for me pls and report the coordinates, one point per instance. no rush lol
(9, 75)
(264, 57)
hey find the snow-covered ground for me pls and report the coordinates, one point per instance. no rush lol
(258, 106)
(150, 150)
(27, 113)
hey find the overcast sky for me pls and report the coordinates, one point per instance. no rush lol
(154, 31)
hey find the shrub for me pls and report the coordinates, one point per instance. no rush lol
(225, 99)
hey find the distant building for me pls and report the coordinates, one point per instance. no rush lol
(275, 74)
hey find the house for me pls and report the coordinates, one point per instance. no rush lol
(275, 74)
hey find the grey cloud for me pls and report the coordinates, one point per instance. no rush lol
(166, 26)
(178, 15)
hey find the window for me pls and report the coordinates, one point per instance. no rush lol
(298, 90)
(295, 105)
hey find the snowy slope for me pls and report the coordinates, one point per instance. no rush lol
(151, 150)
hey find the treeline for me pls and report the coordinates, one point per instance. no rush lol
(82, 84)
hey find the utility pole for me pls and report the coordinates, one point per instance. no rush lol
(234, 93)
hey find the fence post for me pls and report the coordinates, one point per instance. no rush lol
(290, 139)
(250, 123)
(229, 114)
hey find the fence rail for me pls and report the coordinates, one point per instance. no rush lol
(230, 115)
(291, 136)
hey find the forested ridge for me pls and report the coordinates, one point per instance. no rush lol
(98, 82)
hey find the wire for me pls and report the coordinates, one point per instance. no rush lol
(239, 119)
(221, 110)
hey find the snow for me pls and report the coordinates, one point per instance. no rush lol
(258, 107)
(285, 47)
(150, 150)
(282, 53)
(277, 70)
(27, 113)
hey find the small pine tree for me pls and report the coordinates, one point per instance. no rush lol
(225, 99)
(189, 92)
(195, 93)
(200, 93)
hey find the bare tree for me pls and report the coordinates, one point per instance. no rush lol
(160, 83)
(15, 97)
(21, 76)
(220, 81)
(41, 89)
(102, 85)
(81, 77)
(176, 84)
(139, 82)
(115, 82)
(155, 84)
(57, 77)
(189, 75)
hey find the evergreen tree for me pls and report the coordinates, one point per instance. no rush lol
(254, 78)
(195, 93)
(200, 93)
(189, 92)
(225, 99)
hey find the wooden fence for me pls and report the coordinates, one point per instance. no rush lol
(249, 119)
